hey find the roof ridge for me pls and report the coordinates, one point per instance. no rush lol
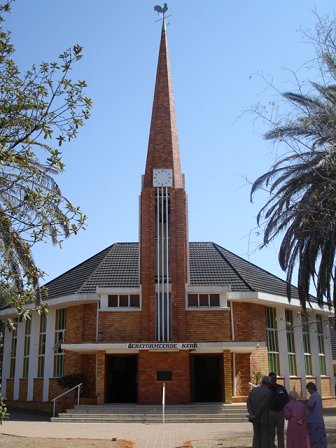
(231, 265)
(108, 249)
(79, 264)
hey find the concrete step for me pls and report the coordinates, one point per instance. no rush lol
(196, 413)
(66, 418)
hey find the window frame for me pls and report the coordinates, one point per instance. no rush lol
(272, 340)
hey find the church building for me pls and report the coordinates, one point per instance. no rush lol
(191, 315)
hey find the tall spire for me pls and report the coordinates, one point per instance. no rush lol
(163, 148)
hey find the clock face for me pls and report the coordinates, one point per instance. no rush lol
(162, 177)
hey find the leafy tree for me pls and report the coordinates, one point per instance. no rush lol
(40, 109)
(302, 183)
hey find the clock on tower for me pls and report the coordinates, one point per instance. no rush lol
(162, 177)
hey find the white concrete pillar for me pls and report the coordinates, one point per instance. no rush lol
(49, 353)
(328, 353)
(33, 355)
(299, 350)
(315, 350)
(6, 364)
(282, 340)
(21, 326)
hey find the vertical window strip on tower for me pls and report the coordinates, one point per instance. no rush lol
(306, 344)
(163, 297)
(13, 351)
(272, 340)
(42, 346)
(60, 325)
(320, 337)
(26, 349)
(290, 342)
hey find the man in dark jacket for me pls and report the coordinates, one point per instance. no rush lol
(276, 414)
(258, 408)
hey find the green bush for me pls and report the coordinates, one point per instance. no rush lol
(72, 380)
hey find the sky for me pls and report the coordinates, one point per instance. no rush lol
(224, 55)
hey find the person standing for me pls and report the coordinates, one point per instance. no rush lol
(258, 408)
(277, 418)
(315, 421)
(296, 413)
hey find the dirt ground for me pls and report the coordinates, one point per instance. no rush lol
(30, 442)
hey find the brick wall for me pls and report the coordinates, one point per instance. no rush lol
(249, 321)
(81, 323)
(90, 322)
(259, 360)
(119, 326)
(38, 389)
(179, 268)
(23, 389)
(325, 387)
(242, 373)
(150, 389)
(88, 363)
(205, 326)
(147, 263)
(295, 384)
(227, 371)
(101, 377)
(9, 389)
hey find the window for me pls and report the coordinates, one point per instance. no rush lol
(272, 341)
(203, 300)
(320, 338)
(124, 301)
(306, 344)
(290, 342)
(26, 349)
(60, 325)
(42, 345)
(13, 350)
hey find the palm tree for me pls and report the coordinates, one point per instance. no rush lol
(302, 188)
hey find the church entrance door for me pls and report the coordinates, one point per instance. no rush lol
(206, 374)
(121, 379)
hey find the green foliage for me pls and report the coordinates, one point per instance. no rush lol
(3, 410)
(302, 184)
(40, 110)
(256, 377)
(72, 380)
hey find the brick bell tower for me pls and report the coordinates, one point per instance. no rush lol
(163, 218)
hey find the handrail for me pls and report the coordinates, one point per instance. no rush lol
(252, 385)
(64, 393)
(163, 401)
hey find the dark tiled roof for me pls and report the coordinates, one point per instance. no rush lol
(210, 264)
(117, 265)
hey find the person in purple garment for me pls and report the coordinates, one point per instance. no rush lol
(315, 422)
(296, 413)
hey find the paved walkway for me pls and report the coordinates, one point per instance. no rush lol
(169, 435)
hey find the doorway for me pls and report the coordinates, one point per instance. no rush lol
(121, 379)
(206, 378)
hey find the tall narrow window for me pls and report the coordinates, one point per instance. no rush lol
(163, 306)
(320, 337)
(26, 349)
(13, 351)
(42, 346)
(306, 344)
(272, 341)
(60, 324)
(290, 342)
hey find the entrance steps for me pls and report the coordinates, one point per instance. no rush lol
(128, 413)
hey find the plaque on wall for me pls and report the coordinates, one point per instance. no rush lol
(163, 375)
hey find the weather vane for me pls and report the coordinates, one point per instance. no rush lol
(161, 10)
